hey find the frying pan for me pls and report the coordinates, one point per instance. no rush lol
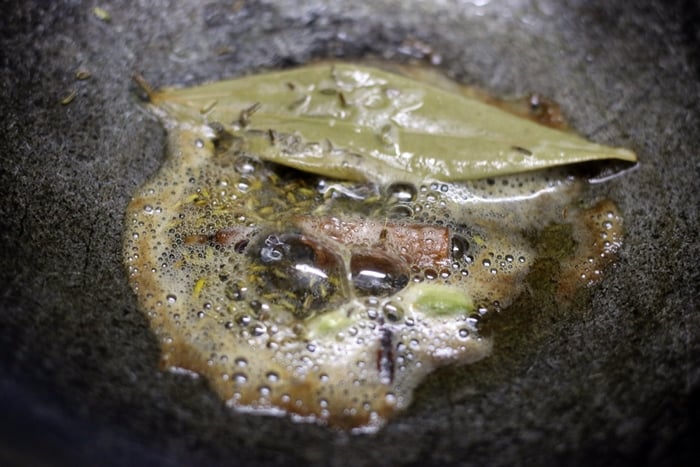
(614, 383)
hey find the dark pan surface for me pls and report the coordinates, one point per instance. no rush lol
(617, 384)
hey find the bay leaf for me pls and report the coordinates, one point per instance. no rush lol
(359, 123)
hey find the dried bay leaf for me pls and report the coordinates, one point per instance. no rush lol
(359, 123)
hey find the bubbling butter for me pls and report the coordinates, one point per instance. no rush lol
(318, 277)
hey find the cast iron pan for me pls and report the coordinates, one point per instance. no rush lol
(615, 384)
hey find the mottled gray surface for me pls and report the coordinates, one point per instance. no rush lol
(616, 385)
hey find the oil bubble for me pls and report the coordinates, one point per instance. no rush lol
(272, 376)
(401, 193)
(392, 311)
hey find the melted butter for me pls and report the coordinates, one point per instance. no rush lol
(332, 299)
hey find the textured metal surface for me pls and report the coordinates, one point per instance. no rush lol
(618, 384)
